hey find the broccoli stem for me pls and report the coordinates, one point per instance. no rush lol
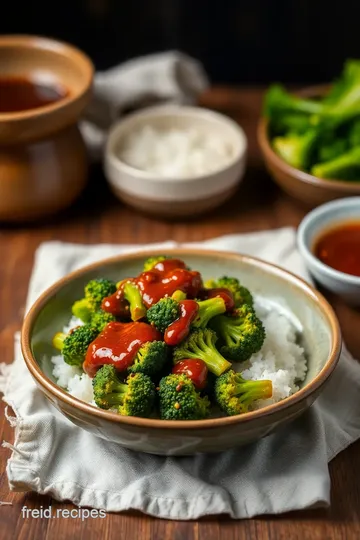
(207, 310)
(116, 397)
(133, 296)
(215, 363)
(338, 166)
(58, 340)
(178, 296)
(250, 391)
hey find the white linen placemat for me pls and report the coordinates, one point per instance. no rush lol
(285, 471)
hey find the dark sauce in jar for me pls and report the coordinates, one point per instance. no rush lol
(22, 94)
(339, 247)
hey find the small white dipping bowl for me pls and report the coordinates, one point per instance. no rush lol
(180, 196)
(317, 222)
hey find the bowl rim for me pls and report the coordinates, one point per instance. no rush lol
(58, 393)
(166, 110)
(297, 174)
(306, 225)
(37, 42)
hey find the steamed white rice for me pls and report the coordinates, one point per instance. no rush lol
(282, 359)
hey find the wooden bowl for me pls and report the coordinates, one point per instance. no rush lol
(320, 335)
(304, 187)
(43, 161)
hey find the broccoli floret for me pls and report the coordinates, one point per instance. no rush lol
(344, 167)
(242, 333)
(100, 319)
(98, 289)
(134, 397)
(343, 100)
(150, 358)
(179, 399)
(133, 296)
(280, 102)
(201, 344)
(163, 313)
(241, 294)
(297, 150)
(235, 395)
(207, 310)
(81, 310)
(152, 261)
(74, 346)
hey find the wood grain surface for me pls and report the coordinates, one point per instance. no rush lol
(99, 217)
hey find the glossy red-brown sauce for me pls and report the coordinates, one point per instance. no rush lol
(195, 369)
(179, 329)
(163, 280)
(340, 248)
(22, 94)
(118, 344)
(223, 293)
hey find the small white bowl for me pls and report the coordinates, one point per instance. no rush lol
(181, 196)
(318, 221)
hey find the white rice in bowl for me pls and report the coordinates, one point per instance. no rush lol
(281, 359)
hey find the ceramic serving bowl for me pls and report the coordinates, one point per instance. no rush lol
(43, 161)
(320, 335)
(303, 186)
(320, 220)
(180, 196)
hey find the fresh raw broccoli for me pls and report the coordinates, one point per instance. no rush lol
(98, 289)
(150, 358)
(241, 294)
(179, 399)
(100, 319)
(297, 150)
(354, 134)
(207, 310)
(163, 313)
(152, 261)
(293, 122)
(134, 397)
(133, 296)
(242, 333)
(201, 344)
(344, 167)
(74, 346)
(280, 102)
(235, 395)
(331, 149)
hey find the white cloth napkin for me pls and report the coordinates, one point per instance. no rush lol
(170, 77)
(285, 471)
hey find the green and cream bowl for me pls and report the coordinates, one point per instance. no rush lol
(320, 336)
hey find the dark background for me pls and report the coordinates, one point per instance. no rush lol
(239, 42)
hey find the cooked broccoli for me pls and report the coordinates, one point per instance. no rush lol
(297, 149)
(74, 346)
(98, 289)
(179, 399)
(178, 296)
(100, 319)
(133, 296)
(152, 261)
(201, 344)
(343, 100)
(235, 395)
(241, 294)
(163, 313)
(81, 310)
(150, 358)
(134, 397)
(346, 166)
(207, 310)
(242, 333)
(280, 102)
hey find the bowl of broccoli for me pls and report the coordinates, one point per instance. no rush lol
(310, 140)
(181, 352)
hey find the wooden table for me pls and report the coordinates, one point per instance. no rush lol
(98, 217)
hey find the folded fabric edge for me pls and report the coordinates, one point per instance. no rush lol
(164, 507)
